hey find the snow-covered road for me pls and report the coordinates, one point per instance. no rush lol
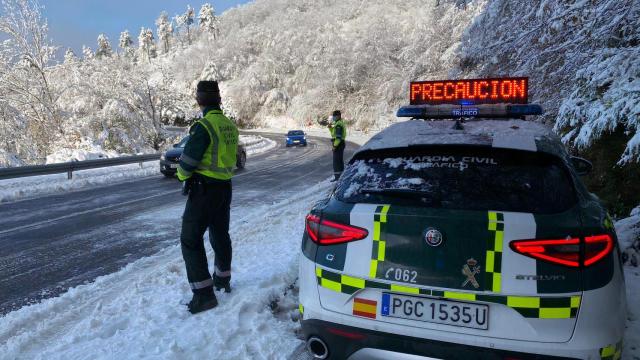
(53, 243)
(136, 312)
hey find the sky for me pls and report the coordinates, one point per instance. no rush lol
(73, 23)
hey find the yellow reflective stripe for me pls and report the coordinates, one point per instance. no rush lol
(459, 296)
(318, 272)
(351, 281)
(497, 282)
(405, 289)
(374, 269)
(555, 313)
(498, 245)
(301, 309)
(493, 226)
(523, 302)
(490, 261)
(335, 286)
(381, 250)
(575, 301)
(376, 231)
(383, 214)
(493, 216)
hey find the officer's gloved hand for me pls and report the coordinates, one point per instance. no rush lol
(187, 186)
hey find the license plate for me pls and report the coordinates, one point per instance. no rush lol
(435, 311)
(173, 166)
(296, 141)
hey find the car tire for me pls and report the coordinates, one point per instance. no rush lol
(168, 175)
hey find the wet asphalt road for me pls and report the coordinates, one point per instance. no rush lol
(53, 243)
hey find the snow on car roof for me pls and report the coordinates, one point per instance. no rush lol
(508, 134)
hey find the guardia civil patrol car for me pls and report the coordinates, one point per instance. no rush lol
(463, 233)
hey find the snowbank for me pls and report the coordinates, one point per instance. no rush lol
(20, 188)
(628, 231)
(136, 312)
(254, 144)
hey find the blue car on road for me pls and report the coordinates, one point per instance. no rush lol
(295, 138)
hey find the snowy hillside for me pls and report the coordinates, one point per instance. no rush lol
(294, 61)
(583, 58)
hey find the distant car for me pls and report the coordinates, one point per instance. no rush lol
(170, 160)
(295, 138)
(467, 237)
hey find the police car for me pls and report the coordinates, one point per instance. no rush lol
(463, 233)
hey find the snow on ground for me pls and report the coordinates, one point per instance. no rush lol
(137, 312)
(632, 335)
(20, 188)
(254, 144)
(628, 231)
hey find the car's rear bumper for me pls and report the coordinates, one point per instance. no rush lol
(347, 342)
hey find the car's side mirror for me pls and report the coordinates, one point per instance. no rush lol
(582, 166)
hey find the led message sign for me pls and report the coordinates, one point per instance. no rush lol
(471, 91)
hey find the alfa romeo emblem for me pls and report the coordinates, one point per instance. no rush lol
(433, 237)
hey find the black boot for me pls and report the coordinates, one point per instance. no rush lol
(222, 283)
(202, 302)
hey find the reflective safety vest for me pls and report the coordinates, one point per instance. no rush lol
(338, 137)
(219, 160)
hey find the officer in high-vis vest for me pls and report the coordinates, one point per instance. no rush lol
(338, 142)
(206, 168)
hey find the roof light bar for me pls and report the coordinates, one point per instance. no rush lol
(477, 111)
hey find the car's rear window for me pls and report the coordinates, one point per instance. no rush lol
(295, 133)
(460, 178)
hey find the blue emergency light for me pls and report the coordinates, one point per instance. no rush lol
(495, 111)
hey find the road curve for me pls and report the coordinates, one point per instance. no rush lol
(52, 243)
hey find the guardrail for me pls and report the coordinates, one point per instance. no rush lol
(70, 167)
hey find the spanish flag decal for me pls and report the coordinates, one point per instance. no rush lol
(365, 308)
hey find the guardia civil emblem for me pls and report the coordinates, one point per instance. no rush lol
(470, 270)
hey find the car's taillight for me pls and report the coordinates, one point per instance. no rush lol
(325, 232)
(566, 251)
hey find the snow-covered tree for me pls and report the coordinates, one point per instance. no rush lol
(104, 47)
(209, 22)
(165, 30)
(28, 98)
(185, 21)
(125, 43)
(146, 44)
(87, 53)
(70, 56)
(210, 72)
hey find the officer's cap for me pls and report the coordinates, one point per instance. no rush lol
(208, 93)
(208, 87)
(337, 113)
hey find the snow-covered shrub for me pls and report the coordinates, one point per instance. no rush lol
(628, 230)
